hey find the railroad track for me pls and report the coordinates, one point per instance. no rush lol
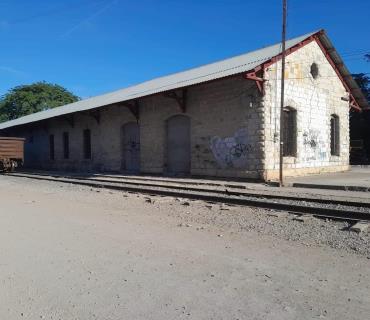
(318, 207)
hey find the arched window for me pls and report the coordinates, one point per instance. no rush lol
(289, 132)
(334, 135)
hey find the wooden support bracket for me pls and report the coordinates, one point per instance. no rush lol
(134, 108)
(96, 115)
(259, 80)
(70, 119)
(353, 104)
(45, 127)
(180, 99)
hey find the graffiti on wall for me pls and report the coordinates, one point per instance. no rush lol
(231, 152)
(315, 147)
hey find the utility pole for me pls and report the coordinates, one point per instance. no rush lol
(281, 149)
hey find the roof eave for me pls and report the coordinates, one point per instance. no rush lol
(357, 99)
(360, 102)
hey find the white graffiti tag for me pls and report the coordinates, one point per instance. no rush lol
(231, 152)
(314, 145)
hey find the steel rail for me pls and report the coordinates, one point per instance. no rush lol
(163, 184)
(211, 196)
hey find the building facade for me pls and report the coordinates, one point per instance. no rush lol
(226, 124)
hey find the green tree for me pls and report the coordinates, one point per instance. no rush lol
(26, 99)
(360, 122)
(363, 81)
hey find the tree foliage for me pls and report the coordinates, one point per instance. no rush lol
(26, 99)
(363, 82)
(360, 122)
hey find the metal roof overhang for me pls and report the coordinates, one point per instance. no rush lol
(358, 100)
(255, 60)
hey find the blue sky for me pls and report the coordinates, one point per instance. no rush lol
(96, 46)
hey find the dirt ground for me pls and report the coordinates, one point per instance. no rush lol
(70, 252)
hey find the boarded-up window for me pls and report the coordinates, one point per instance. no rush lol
(66, 145)
(334, 135)
(289, 132)
(51, 147)
(87, 144)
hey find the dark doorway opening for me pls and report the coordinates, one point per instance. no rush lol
(178, 145)
(87, 143)
(131, 147)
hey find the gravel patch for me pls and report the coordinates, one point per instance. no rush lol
(312, 204)
(309, 232)
(202, 215)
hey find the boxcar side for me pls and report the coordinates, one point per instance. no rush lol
(11, 153)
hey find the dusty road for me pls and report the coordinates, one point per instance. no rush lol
(70, 252)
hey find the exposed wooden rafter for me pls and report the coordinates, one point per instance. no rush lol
(180, 99)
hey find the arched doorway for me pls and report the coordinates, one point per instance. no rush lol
(178, 145)
(131, 147)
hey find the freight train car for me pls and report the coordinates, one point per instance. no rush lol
(11, 153)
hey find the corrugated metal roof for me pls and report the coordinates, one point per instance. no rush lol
(213, 71)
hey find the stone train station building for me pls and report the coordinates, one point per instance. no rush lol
(218, 120)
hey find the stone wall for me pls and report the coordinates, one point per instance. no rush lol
(226, 133)
(105, 141)
(315, 100)
(225, 118)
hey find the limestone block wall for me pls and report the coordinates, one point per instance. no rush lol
(314, 100)
(226, 133)
(105, 141)
(226, 137)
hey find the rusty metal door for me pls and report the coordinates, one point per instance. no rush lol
(131, 147)
(178, 145)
